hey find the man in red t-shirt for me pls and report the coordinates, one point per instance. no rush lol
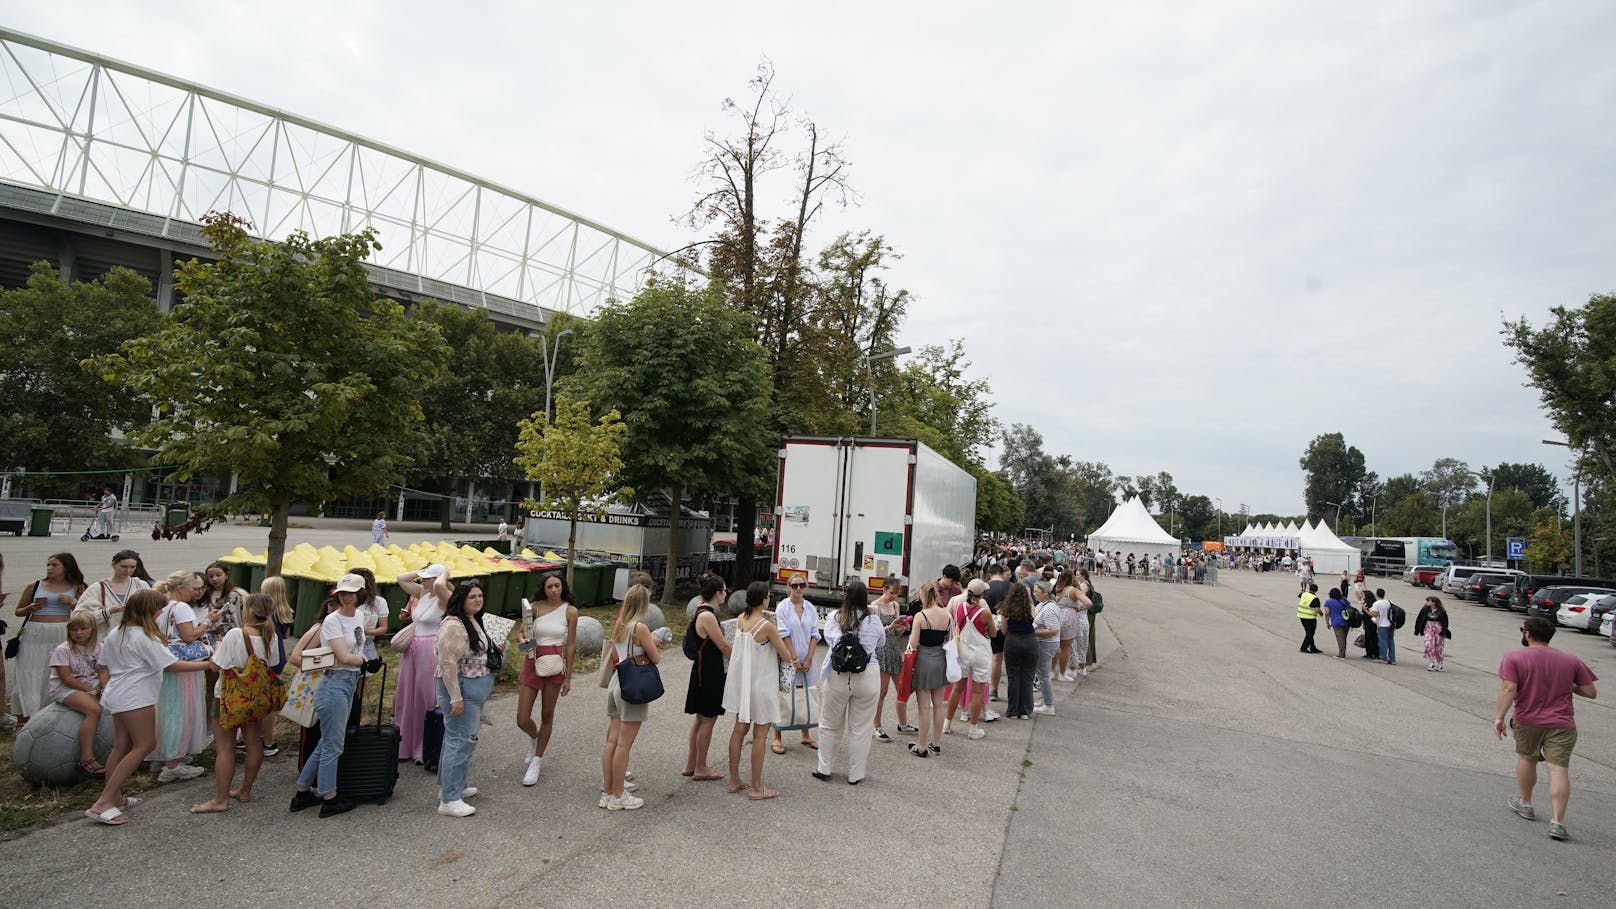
(1539, 681)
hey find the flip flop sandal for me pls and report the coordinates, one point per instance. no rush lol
(91, 768)
(112, 817)
(131, 801)
(778, 749)
(707, 777)
(810, 743)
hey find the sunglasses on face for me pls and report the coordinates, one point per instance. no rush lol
(799, 586)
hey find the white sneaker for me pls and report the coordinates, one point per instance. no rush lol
(629, 785)
(965, 716)
(605, 800)
(1044, 709)
(1068, 677)
(628, 774)
(625, 802)
(991, 716)
(456, 808)
(531, 777)
(976, 732)
(181, 772)
(1083, 672)
(946, 729)
(467, 792)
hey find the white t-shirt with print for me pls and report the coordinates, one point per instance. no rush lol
(350, 629)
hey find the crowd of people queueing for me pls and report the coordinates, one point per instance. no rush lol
(190, 658)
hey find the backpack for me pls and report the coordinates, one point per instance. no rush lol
(849, 655)
(1398, 616)
(692, 643)
(1097, 601)
(1352, 617)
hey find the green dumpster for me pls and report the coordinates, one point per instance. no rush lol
(587, 580)
(40, 521)
(495, 587)
(396, 599)
(176, 513)
(241, 575)
(307, 595)
(255, 576)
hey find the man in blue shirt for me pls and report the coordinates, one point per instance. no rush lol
(1337, 606)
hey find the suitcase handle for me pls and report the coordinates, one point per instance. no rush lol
(380, 698)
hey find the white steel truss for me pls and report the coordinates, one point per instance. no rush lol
(79, 126)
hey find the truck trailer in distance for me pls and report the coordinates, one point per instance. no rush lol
(1390, 555)
(862, 509)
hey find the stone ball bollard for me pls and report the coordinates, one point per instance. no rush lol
(654, 618)
(735, 605)
(590, 636)
(46, 750)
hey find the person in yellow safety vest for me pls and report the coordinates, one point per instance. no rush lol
(1308, 610)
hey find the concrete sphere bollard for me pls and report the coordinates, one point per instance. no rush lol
(590, 636)
(735, 605)
(654, 618)
(46, 750)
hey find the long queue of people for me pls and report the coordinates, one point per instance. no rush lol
(187, 659)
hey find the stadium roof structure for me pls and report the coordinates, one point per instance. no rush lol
(101, 140)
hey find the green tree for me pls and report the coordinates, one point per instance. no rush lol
(575, 462)
(1571, 361)
(998, 508)
(1197, 518)
(1399, 488)
(282, 367)
(1414, 515)
(472, 409)
(53, 416)
(680, 365)
(1450, 483)
(934, 402)
(1512, 517)
(1036, 478)
(1335, 471)
(1550, 546)
(1533, 479)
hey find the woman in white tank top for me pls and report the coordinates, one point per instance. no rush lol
(415, 694)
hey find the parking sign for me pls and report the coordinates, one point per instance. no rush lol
(1516, 547)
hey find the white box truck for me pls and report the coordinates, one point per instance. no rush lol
(862, 509)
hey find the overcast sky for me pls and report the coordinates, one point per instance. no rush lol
(1182, 237)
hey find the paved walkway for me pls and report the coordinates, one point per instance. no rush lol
(1208, 763)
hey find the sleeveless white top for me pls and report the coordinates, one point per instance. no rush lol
(427, 615)
(550, 629)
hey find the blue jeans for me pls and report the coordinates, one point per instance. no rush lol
(1388, 644)
(459, 733)
(1047, 649)
(331, 706)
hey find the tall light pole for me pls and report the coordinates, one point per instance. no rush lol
(550, 357)
(869, 375)
(1337, 511)
(1220, 517)
(1576, 511)
(1488, 478)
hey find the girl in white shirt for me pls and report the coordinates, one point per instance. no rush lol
(256, 629)
(136, 658)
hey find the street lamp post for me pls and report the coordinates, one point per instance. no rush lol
(1576, 512)
(550, 356)
(869, 375)
(1337, 511)
(1488, 478)
(1220, 518)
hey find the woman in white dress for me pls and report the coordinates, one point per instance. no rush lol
(752, 688)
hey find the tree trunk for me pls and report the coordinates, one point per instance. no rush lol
(572, 544)
(277, 538)
(746, 512)
(675, 495)
(446, 511)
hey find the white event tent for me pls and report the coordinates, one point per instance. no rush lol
(1329, 554)
(1131, 529)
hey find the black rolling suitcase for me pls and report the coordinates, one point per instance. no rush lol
(368, 769)
(432, 739)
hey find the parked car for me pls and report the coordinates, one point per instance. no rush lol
(1530, 584)
(1479, 585)
(1608, 627)
(1546, 602)
(1427, 575)
(1501, 596)
(1583, 611)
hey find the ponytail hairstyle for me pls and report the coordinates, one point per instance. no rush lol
(258, 614)
(636, 603)
(140, 611)
(456, 608)
(757, 593)
(274, 587)
(368, 595)
(855, 607)
(711, 585)
(928, 595)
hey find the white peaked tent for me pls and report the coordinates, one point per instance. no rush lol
(1291, 530)
(1131, 529)
(1329, 554)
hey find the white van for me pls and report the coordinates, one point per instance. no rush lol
(1454, 580)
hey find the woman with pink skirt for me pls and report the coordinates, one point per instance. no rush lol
(416, 665)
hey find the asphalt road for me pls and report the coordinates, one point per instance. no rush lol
(1207, 763)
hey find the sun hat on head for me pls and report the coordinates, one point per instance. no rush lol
(435, 570)
(350, 583)
(977, 586)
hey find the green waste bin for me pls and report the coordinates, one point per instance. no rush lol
(396, 599)
(240, 575)
(256, 572)
(39, 523)
(307, 594)
(586, 584)
(175, 514)
(495, 587)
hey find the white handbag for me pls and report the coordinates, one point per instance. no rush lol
(319, 658)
